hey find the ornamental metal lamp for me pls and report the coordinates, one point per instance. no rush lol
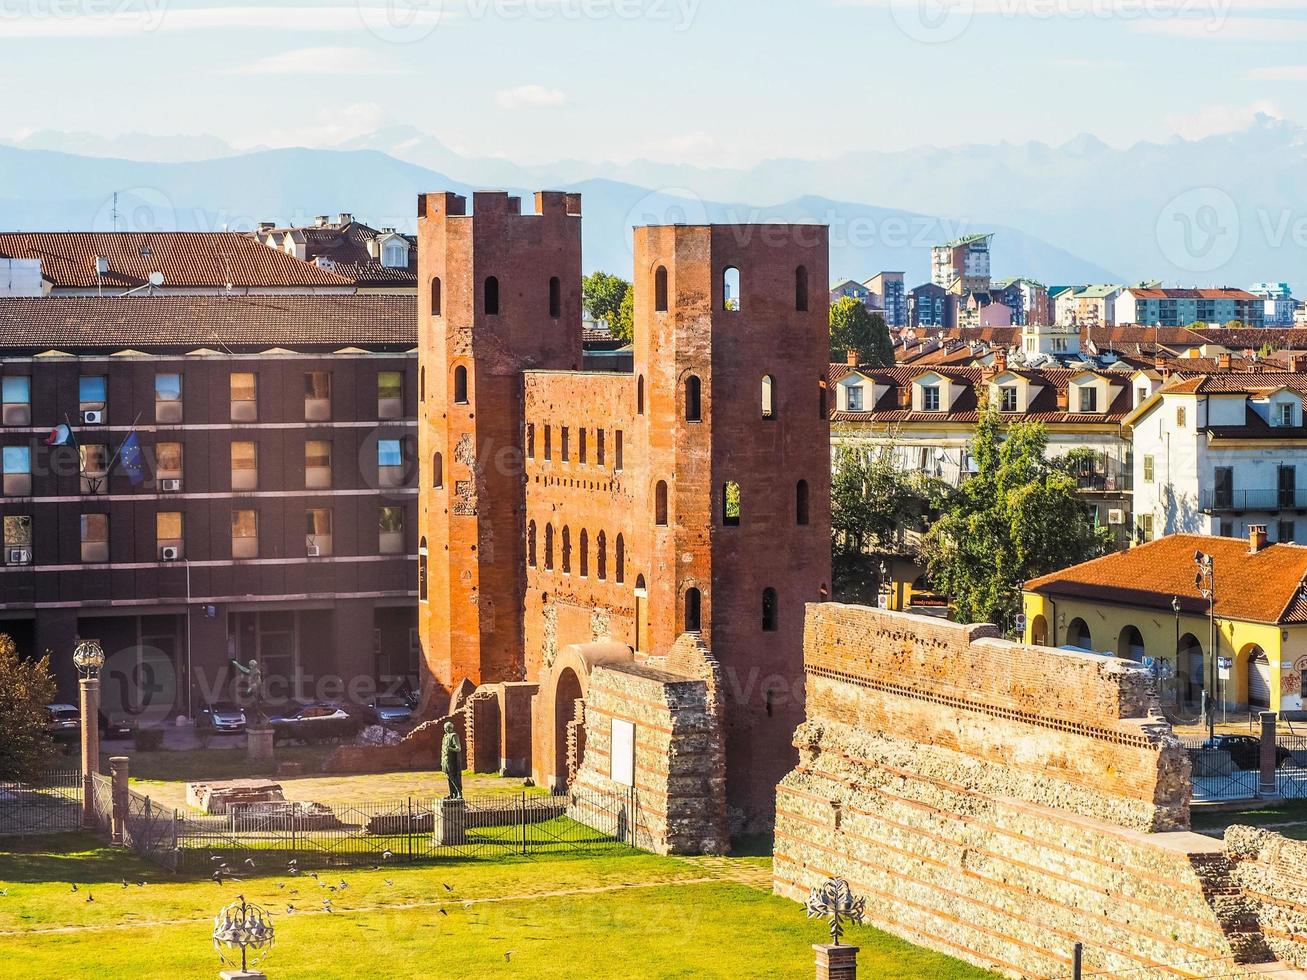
(246, 927)
(834, 900)
(88, 658)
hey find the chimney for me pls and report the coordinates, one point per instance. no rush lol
(851, 358)
(1000, 359)
(1224, 362)
(344, 218)
(1256, 538)
(1159, 361)
(266, 225)
(321, 221)
(1297, 363)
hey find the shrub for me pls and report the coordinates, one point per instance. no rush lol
(312, 731)
(148, 739)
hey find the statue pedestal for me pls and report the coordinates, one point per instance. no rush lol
(449, 823)
(258, 744)
(242, 975)
(836, 962)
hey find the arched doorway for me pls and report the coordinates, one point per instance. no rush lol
(1077, 635)
(1130, 645)
(1256, 678)
(567, 693)
(1039, 631)
(1189, 670)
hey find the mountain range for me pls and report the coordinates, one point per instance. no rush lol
(1225, 210)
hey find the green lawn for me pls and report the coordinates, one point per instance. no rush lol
(621, 915)
(1288, 819)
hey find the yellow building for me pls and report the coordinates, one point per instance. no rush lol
(1145, 605)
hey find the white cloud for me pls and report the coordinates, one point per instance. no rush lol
(328, 127)
(1281, 73)
(1216, 119)
(320, 61)
(1263, 29)
(530, 97)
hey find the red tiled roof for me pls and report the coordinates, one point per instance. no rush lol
(1266, 587)
(186, 259)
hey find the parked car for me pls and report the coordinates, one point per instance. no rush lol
(117, 726)
(390, 710)
(63, 722)
(1246, 751)
(317, 721)
(222, 717)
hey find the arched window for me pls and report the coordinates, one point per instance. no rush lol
(660, 503)
(585, 554)
(768, 397)
(1130, 645)
(531, 544)
(801, 502)
(731, 289)
(660, 289)
(692, 405)
(619, 558)
(435, 296)
(1077, 635)
(555, 297)
(460, 385)
(639, 395)
(801, 289)
(437, 471)
(769, 610)
(422, 385)
(492, 296)
(549, 547)
(422, 571)
(601, 557)
(731, 504)
(692, 602)
(567, 551)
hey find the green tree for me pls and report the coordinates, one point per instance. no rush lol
(623, 325)
(26, 687)
(854, 327)
(603, 295)
(1020, 516)
(1235, 325)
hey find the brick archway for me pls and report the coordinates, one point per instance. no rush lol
(558, 722)
(569, 715)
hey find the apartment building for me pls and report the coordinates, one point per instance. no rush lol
(374, 259)
(1184, 307)
(888, 288)
(962, 266)
(1278, 304)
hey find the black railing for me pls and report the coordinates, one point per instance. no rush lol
(1253, 500)
(51, 805)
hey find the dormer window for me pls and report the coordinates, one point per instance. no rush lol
(1008, 398)
(1088, 399)
(1285, 415)
(395, 255)
(855, 398)
(930, 398)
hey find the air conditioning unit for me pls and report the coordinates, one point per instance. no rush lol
(170, 553)
(95, 417)
(20, 556)
(1116, 517)
(314, 551)
(170, 486)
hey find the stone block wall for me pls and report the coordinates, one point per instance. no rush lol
(680, 787)
(1271, 871)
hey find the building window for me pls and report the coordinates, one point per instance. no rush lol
(435, 296)
(1227, 529)
(95, 538)
(1286, 479)
(1148, 469)
(1141, 396)
(168, 398)
(317, 532)
(768, 397)
(801, 502)
(617, 451)
(565, 441)
(549, 442)
(585, 554)
(390, 527)
(390, 463)
(930, 398)
(639, 395)
(168, 535)
(601, 557)
(853, 395)
(1009, 398)
(1285, 414)
(599, 447)
(549, 547)
(244, 397)
(1287, 532)
(660, 289)
(660, 503)
(168, 461)
(437, 471)
(531, 544)
(244, 534)
(619, 560)
(822, 412)
(317, 464)
(1145, 529)
(492, 296)
(317, 396)
(422, 570)
(390, 394)
(460, 385)
(422, 384)
(1088, 399)
(17, 539)
(731, 504)
(580, 446)
(1179, 416)
(555, 298)
(93, 394)
(693, 408)
(15, 400)
(94, 468)
(769, 610)
(1224, 485)
(693, 601)
(530, 440)
(17, 471)
(567, 550)
(244, 466)
(801, 290)
(731, 299)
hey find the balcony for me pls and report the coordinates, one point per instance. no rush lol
(1239, 501)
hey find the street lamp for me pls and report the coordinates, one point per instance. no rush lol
(1205, 583)
(1175, 608)
(88, 658)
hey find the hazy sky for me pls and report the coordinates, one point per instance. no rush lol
(703, 81)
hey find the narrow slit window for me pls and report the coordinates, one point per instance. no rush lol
(731, 289)
(768, 396)
(555, 297)
(460, 385)
(731, 504)
(660, 503)
(692, 604)
(801, 502)
(660, 290)
(693, 408)
(437, 471)
(801, 289)
(769, 610)
(435, 296)
(492, 296)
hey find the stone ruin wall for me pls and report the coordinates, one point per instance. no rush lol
(1272, 875)
(1000, 802)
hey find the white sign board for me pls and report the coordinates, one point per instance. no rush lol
(622, 759)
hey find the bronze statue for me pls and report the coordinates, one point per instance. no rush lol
(451, 764)
(253, 687)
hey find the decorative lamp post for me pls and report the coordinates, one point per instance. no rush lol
(834, 900)
(1175, 608)
(88, 658)
(246, 927)
(1205, 583)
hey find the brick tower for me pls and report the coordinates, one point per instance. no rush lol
(731, 356)
(499, 293)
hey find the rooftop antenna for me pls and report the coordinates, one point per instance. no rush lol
(113, 214)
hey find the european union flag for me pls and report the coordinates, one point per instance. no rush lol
(133, 460)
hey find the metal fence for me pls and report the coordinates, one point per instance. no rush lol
(1230, 770)
(1291, 766)
(151, 831)
(50, 805)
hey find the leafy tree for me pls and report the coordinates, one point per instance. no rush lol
(1019, 517)
(603, 295)
(874, 507)
(1235, 325)
(1198, 325)
(26, 687)
(854, 327)
(623, 325)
